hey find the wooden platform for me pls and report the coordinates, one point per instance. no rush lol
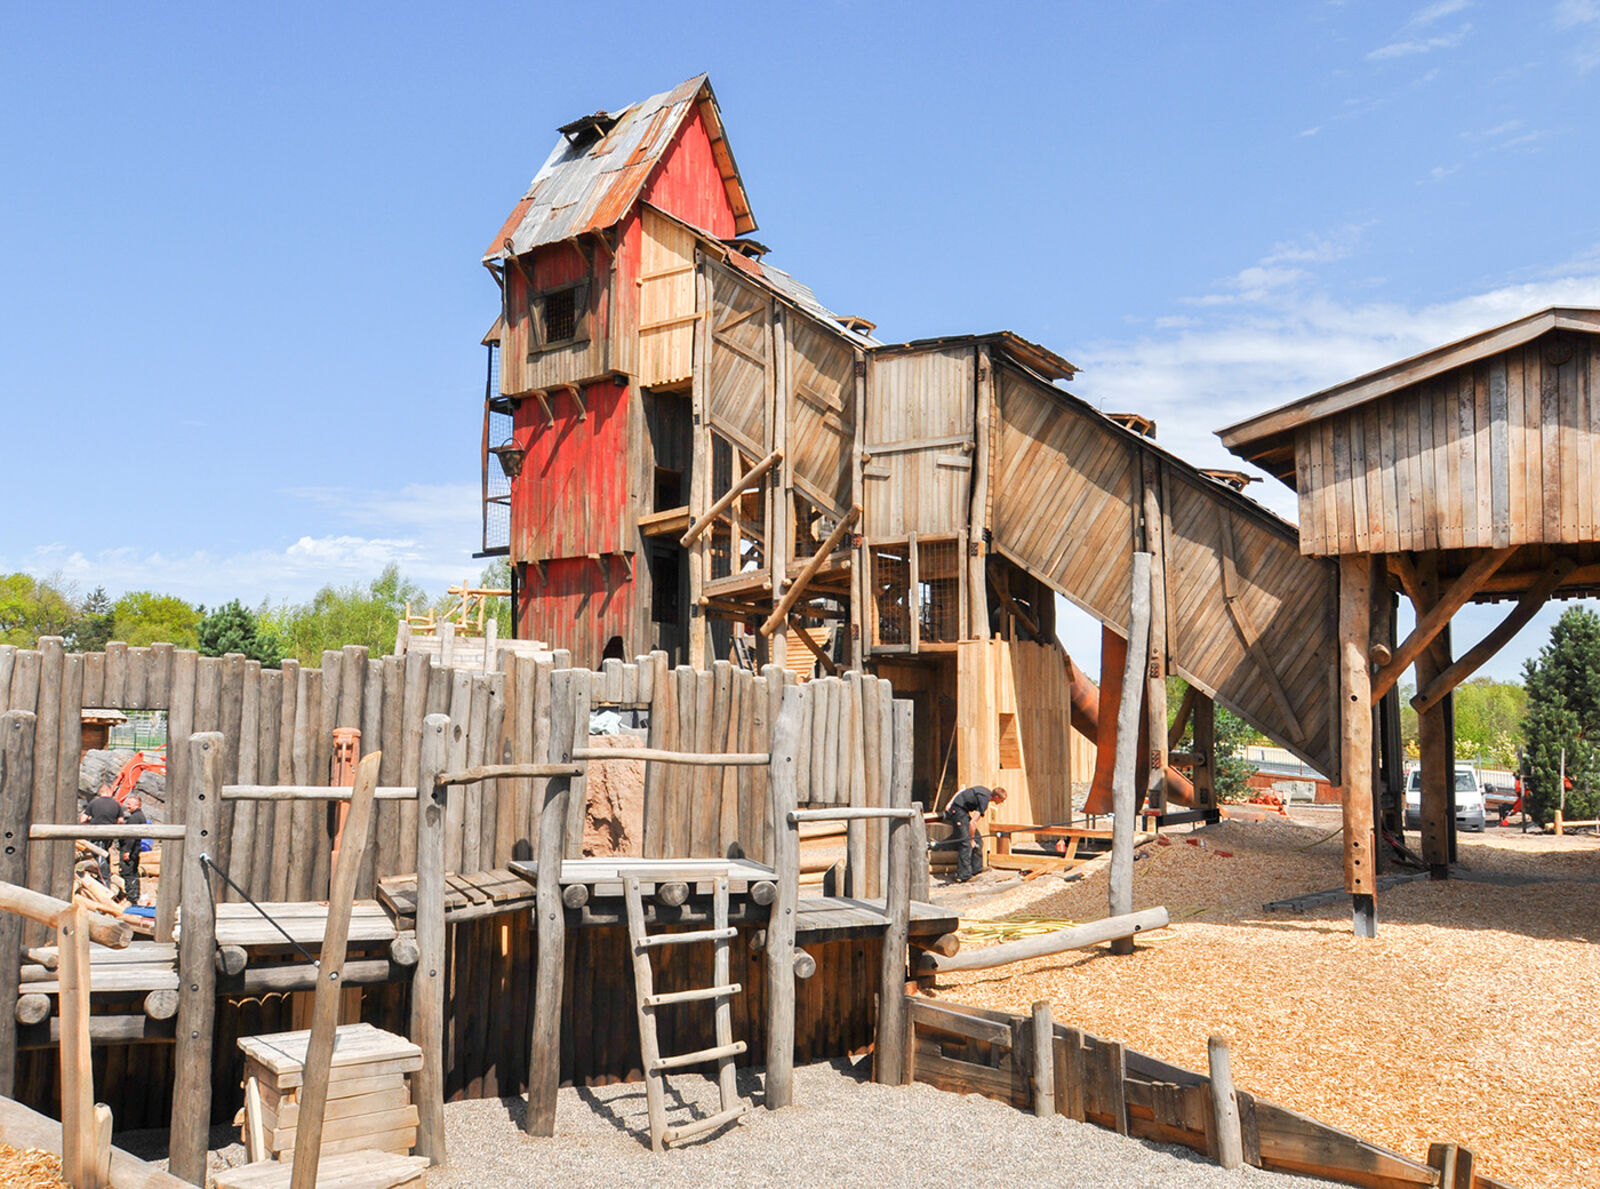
(306, 922)
(347, 1170)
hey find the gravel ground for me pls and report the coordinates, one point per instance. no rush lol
(843, 1131)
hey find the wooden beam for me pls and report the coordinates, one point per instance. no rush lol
(1244, 623)
(1516, 581)
(1181, 722)
(746, 481)
(1003, 590)
(1432, 621)
(1526, 608)
(1433, 738)
(780, 613)
(1355, 713)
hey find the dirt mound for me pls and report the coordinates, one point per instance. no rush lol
(613, 811)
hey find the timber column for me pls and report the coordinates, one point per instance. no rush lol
(1355, 734)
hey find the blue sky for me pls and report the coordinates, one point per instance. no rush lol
(240, 319)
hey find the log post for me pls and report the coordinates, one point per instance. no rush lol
(16, 806)
(1224, 1104)
(1122, 780)
(1042, 1035)
(977, 561)
(1156, 670)
(1204, 717)
(197, 975)
(427, 981)
(1433, 734)
(781, 926)
(317, 1070)
(1355, 719)
(567, 688)
(79, 1146)
(888, 1060)
(699, 468)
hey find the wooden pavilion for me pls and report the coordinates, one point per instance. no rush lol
(1464, 474)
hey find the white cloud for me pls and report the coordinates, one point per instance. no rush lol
(1233, 360)
(1436, 12)
(1409, 47)
(1581, 15)
(429, 530)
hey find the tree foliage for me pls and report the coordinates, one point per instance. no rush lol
(1231, 772)
(233, 627)
(337, 616)
(142, 617)
(95, 623)
(1489, 718)
(32, 607)
(1563, 716)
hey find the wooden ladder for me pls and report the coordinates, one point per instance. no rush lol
(647, 1001)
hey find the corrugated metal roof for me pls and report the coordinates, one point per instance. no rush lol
(591, 184)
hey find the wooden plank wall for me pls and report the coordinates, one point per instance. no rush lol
(278, 726)
(666, 301)
(1263, 639)
(821, 405)
(1250, 620)
(1065, 491)
(1488, 455)
(741, 361)
(1021, 690)
(917, 470)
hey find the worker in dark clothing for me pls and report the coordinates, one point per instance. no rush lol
(103, 810)
(133, 815)
(963, 812)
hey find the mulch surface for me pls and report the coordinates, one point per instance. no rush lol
(1469, 1019)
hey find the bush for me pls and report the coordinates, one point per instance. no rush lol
(1563, 716)
(233, 627)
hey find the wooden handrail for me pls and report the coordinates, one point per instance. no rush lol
(743, 484)
(49, 911)
(709, 759)
(308, 792)
(89, 833)
(849, 813)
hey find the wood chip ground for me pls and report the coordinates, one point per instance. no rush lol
(30, 1168)
(1468, 1019)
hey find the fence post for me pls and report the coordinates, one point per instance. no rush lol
(1043, 1034)
(889, 1050)
(427, 980)
(1224, 1104)
(16, 807)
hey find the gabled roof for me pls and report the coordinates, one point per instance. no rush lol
(1266, 438)
(601, 164)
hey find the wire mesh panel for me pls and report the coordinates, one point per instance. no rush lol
(939, 591)
(891, 582)
(496, 486)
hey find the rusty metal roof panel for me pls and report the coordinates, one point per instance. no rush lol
(590, 184)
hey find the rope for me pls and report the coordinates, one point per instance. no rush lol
(207, 865)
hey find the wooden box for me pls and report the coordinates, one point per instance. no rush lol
(369, 1101)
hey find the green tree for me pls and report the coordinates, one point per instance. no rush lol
(94, 623)
(233, 627)
(337, 616)
(1232, 772)
(1563, 716)
(32, 607)
(143, 617)
(497, 576)
(1489, 718)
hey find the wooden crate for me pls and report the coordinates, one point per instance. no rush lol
(369, 1100)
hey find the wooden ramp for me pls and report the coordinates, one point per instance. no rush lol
(1250, 621)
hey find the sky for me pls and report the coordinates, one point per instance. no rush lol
(241, 302)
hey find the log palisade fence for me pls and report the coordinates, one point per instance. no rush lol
(276, 728)
(1038, 1065)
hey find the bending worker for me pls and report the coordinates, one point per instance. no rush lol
(963, 812)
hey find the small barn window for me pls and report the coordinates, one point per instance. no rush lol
(558, 316)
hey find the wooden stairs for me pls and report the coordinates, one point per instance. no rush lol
(647, 1000)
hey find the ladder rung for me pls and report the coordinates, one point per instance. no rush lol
(646, 943)
(682, 1059)
(689, 996)
(699, 1126)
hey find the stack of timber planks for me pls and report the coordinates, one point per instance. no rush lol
(369, 1101)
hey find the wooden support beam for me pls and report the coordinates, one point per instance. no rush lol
(1355, 714)
(746, 481)
(1156, 667)
(1433, 620)
(1433, 735)
(815, 562)
(544, 403)
(1473, 659)
(1180, 722)
(1124, 798)
(16, 806)
(1003, 589)
(978, 510)
(889, 1054)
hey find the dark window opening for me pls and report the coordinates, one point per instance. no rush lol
(561, 315)
(669, 490)
(665, 577)
(614, 650)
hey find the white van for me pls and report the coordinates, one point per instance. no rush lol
(1470, 812)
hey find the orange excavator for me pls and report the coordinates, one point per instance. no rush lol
(128, 778)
